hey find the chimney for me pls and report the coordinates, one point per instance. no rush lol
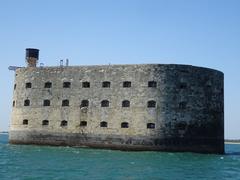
(32, 57)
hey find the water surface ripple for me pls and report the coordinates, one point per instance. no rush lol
(57, 163)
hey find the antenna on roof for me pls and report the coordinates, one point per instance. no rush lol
(67, 62)
(61, 63)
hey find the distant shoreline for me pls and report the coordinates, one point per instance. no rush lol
(3, 132)
(232, 142)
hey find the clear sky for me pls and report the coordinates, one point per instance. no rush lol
(202, 33)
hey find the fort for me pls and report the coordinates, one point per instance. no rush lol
(160, 107)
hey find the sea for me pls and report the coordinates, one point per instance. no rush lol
(32, 162)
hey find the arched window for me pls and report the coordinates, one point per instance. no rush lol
(126, 103)
(183, 85)
(182, 125)
(13, 103)
(66, 84)
(64, 123)
(46, 102)
(105, 103)
(84, 103)
(151, 104)
(83, 123)
(103, 124)
(127, 84)
(27, 102)
(152, 84)
(25, 122)
(86, 84)
(45, 122)
(106, 84)
(124, 125)
(15, 85)
(48, 85)
(28, 85)
(150, 126)
(182, 105)
(65, 102)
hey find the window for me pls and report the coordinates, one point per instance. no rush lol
(126, 103)
(183, 85)
(27, 102)
(66, 84)
(84, 103)
(25, 122)
(83, 123)
(15, 85)
(86, 84)
(182, 105)
(150, 126)
(124, 125)
(152, 84)
(182, 125)
(28, 85)
(46, 102)
(13, 103)
(64, 123)
(45, 122)
(105, 103)
(48, 85)
(103, 124)
(65, 102)
(127, 84)
(151, 104)
(106, 84)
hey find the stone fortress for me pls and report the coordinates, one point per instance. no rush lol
(162, 107)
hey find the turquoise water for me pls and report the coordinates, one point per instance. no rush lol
(45, 162)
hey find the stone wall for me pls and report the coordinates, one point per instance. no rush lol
(186, 113)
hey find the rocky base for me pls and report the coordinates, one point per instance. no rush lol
(126, 143)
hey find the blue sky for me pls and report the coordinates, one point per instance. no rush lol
(202, 33)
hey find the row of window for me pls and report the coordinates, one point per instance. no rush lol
(86, 84)
(64, 123)
(85, 103)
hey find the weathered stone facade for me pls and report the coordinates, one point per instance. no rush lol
(163, 107)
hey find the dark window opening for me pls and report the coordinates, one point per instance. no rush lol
(106, 84)
(15, 85)
(126, 103)
(25, 122)
(105, 103)
(127, 84)
(28, 85)
(27, 102)
(45, 122)
(152, 84)
(183, 85)
(150, 125)
(84, 103)
(103, 124)
(182, 125)
(46, 102)
(48, 85)
(64, 123)
(151, 104)
(182, 105)
(13, 104)
(124, 125)
(83, 123)
(66, 84)
(86, 84)
(65, 102)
